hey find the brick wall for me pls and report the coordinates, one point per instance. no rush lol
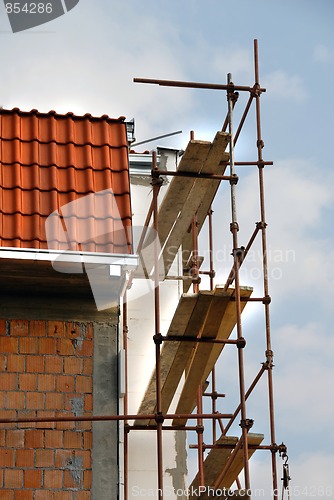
(45, 371)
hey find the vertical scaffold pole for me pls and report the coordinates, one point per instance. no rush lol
(156, 183)
(234, 229)
(269, 351)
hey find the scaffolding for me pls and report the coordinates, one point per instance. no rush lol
(204, 320)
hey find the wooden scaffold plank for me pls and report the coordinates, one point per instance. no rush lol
(216, 462)
(219, 325)
(187, 321)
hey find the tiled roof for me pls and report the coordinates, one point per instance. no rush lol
(48, 160)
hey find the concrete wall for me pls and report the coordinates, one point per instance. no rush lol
(141, 362)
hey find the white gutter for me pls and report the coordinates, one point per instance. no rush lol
(128, 262)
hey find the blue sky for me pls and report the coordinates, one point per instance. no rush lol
(85, 62)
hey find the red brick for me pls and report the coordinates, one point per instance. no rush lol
(7, 458)
(86, 348)
(15, 400)
(25, 458)
(65, 383)
(27, 382)
(84, 384)
(19, 327)
(86, 458)
(87, 366)
(56, 329)
(69, 481)
(3, 327)
(9, 344)
(34, 439)
(13, 478)
(45, 414)
(28, 345)
(15, 439)
(24, 495)
(66, 424)
(7, 494)
(54, 401)
(73, 439)
(88, 476)
(82, 495)
(8, 381)
(63, 495)
(46, 383)
(74, 330)
(88, 440)
(83, 426)
(45, 458)
(2, 437)
(35, 400)
(65, 347)
(69, 401)
(37, 328)
(3, 363)
(33, 478)
(26, 414)
(35, 364)
(53, 479)
(3, 400)
(89, 330)
(72, 365)
(53, 364)
(88, 404)
(43, 495)
(47, 346)
(63, 457)
(15, 363)
(4, 414)
(53, 439)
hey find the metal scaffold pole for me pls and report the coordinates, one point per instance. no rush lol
(269, 351)
(231, 97)
(156, 183)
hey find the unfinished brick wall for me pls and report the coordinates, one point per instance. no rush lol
(45, 371)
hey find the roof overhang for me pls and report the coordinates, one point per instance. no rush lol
(99, 276)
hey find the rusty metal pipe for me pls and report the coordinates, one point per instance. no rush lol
(210, 213)
(241, 259)
(233, 455)
(126, 437)
(107, 418)
(156, 184)
(200, 430)
(260, 145)
(193, 85)
(175, 338)
(195, 266)
(234, 230)
(248, 393)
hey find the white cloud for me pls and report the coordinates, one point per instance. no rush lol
(285, 86)
(323, 54)
(298, 238)
(239, 62)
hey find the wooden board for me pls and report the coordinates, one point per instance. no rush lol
(217, 459)
(201, 190)
(226, 328)
(194, 376)
(187, 321)
(220, 323)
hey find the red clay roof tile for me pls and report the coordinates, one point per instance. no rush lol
(48, 160)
